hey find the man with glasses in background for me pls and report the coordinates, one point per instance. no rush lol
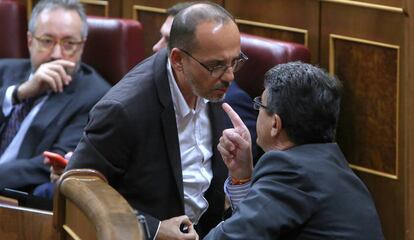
(154, 135)
(45, 100)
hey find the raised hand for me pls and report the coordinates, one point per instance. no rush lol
(170, 229)
(235, 147)
(53, 75)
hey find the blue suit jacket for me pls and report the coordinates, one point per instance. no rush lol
(306, 192)
(57, 127)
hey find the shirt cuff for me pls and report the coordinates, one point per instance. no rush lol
(236, 192)
(7, 101)
(156, 232)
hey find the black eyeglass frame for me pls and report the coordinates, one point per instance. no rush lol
(221, 68)
(257, 104)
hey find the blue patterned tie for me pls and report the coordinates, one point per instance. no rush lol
(13, 123)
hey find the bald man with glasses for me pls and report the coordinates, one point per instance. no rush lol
(45, 100)
(154, 135)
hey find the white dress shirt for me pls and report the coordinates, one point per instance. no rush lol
(195, 139)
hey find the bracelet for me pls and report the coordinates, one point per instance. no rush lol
(235, 181)
(15, 98)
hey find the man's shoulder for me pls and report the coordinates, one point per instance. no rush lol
(93, 77)
(8, 63)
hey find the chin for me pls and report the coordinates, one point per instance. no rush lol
(216, 98)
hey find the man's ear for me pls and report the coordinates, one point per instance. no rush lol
(29, 39)
(176, 59)
(276, 125)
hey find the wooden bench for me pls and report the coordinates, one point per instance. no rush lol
(85, 207)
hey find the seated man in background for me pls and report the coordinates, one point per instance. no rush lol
(45, 100)
(302, 187)
(154, 135)
(238, 99)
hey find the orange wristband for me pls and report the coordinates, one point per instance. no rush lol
(236, 181)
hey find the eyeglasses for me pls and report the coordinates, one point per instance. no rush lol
(257, 104)
(219, 70)
(68, 45)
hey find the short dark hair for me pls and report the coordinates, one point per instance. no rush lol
(307, 99)
(183, 28)
(70, 5)
(174, 10)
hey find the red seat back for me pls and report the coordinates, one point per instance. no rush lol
(13, 26)
(265, 53)
(113, 46)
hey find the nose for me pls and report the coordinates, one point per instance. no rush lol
(160, 44)
(57, 52)
(228, 75)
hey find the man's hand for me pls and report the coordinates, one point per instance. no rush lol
(56, 171)
(170, 229)
(53, 75)
(235, 147)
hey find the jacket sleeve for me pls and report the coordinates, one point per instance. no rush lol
(275, 204)
(106, 146)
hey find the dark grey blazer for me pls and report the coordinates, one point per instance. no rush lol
(306, 192)
(132, 139)
(57, 127)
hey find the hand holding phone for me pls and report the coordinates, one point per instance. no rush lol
(55, 159)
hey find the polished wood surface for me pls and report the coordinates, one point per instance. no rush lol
(25, 224)
(363, 47)
(86, 207)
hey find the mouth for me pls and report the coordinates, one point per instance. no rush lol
(221, 90)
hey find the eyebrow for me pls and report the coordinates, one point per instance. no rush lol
(220, 62)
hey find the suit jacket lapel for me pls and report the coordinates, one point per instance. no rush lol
(168, 119)
(55, 104)
(217, 116)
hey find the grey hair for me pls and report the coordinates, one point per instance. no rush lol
(70, 5)
(183, 28)
(307, 99)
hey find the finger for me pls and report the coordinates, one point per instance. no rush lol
(46, 160)
(54, 177)
(61, 76)
(60, 69)
(47, 79)
(68, 65)
(236, 139)
(234, 117)
(184, 219)
(225, 154)
(58, 170)
(57, 78)
(65, 63)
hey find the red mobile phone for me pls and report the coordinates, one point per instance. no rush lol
(55, 159)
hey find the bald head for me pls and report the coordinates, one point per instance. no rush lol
(186, 21)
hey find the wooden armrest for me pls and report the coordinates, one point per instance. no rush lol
(86, 206)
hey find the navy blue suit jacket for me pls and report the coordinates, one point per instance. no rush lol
(306, 192)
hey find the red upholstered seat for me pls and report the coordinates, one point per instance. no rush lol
(264, 53)
(114, 46)
(13, 26)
